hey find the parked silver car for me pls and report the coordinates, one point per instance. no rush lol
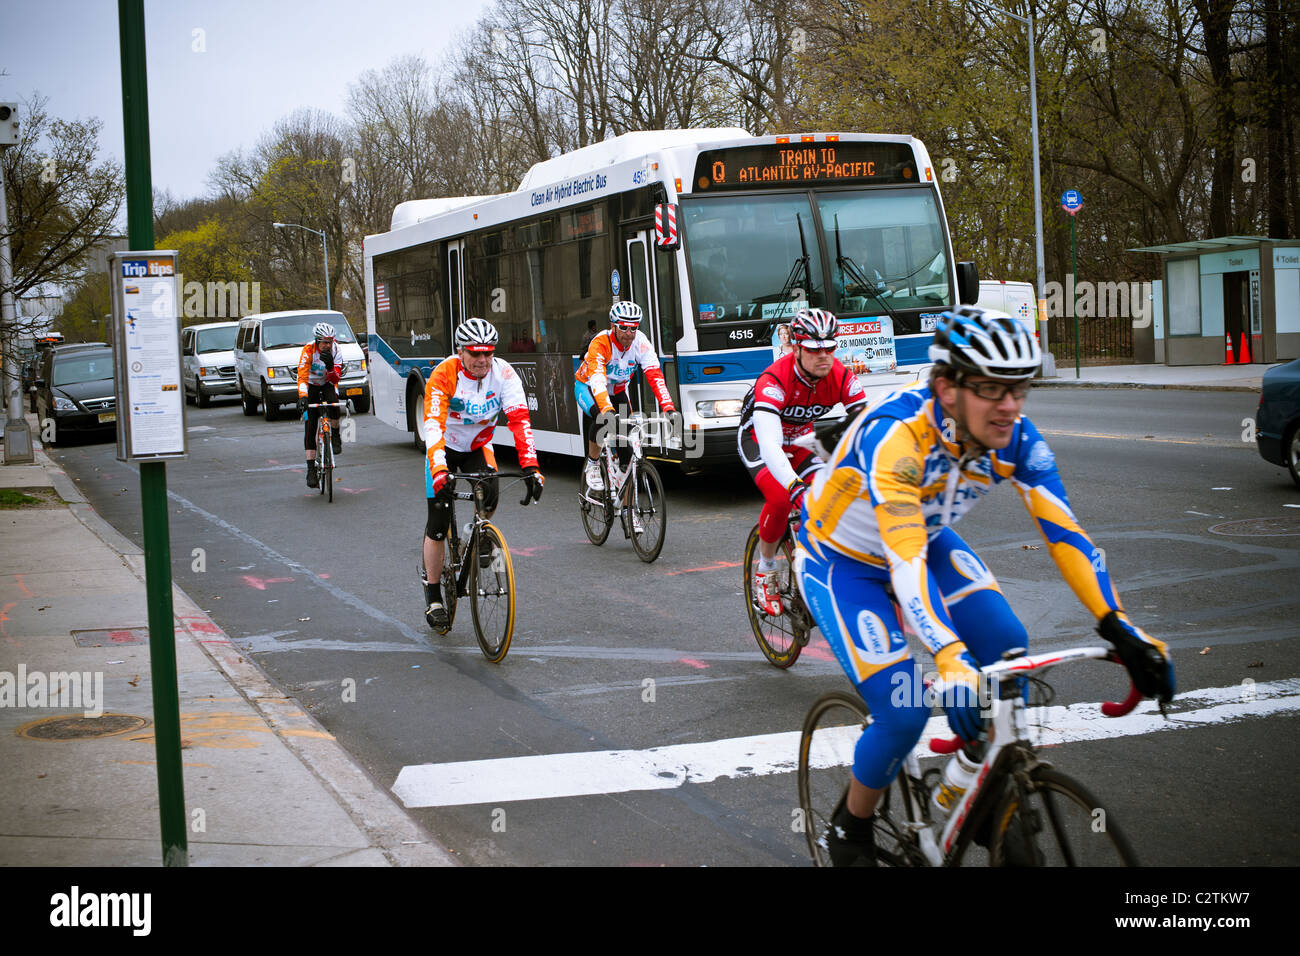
(208, 361)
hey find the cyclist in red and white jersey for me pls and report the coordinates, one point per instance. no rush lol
(791, 394)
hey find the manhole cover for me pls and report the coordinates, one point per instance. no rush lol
(80, 728)
(1260, 527)
(111, 637)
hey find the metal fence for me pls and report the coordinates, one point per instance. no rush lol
(1102, 341)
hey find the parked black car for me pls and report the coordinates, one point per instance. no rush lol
(1277, 423)
(75, 390)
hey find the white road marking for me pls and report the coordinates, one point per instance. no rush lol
(664, 768)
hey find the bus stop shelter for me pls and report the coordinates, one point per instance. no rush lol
(1239, 289)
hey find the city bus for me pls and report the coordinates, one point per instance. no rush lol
(718, 235)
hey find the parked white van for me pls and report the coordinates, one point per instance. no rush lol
(1017, 299)
(208, 361)
(267, 349)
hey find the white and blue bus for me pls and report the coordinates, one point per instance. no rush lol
(764, 225)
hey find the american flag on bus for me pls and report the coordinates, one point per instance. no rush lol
(381, 297)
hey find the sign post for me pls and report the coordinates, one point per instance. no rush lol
(156, 441)
(1072, 202)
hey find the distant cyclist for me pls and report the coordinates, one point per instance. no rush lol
(319, 369)
(462, 400)
(603, 375)
(877, 542)
(788, 397)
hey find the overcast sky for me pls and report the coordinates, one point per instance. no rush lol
(261, 60)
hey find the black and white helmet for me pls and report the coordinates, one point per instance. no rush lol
(477, 335)
(977, 341)
(625, 314)
(323, 330)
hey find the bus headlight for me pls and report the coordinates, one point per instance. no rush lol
(722, 408)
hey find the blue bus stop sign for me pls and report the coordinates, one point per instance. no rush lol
(1071, 201)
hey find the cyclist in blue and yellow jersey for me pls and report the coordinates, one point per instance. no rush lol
(877, 549)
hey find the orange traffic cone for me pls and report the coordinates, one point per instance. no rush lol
(1227, 352)
(1244, 356)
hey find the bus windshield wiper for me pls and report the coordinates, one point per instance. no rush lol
(800, 264)
(848, 266)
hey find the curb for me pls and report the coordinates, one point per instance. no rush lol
(372, 808)
(1060, 383)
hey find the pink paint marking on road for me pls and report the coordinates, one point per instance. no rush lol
(272, 461)
(323, 575)
(4, 616)
(819, 650)
(261, 583)
(692, 662)
(21, 586)
(354, 491)
(532, 552)
(715, 566)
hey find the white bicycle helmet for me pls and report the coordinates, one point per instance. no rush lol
(625, 314)
(323, 330)
(476, 334)
(977, 341)
(814, 328)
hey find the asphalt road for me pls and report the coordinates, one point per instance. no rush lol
(611, 654)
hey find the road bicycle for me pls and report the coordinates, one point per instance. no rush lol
(325, 444)
(478, 566)
(1019, 810)
(780, 636)
(635, 496)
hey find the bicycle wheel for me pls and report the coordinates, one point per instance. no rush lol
(597, 519)
(492, 594)
(782, 636)
(1056, 822)
(648, 506)
(826, 748)
(327, 476)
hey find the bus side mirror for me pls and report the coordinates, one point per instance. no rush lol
(968, 283)
(666, 237)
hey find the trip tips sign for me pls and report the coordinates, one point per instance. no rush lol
(147, 356)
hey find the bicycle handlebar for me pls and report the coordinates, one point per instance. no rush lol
(1017, 666)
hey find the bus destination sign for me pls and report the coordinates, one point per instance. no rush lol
(804, 164)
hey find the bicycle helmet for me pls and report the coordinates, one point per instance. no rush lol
(626, 315)
(977, 341)
(477, 335)
(323, 330)
(814, 328)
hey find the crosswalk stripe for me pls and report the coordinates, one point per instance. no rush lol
(547, 776)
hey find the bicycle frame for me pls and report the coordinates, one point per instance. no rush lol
(1010, 750)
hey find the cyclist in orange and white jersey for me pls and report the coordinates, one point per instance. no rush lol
(603, 375)
(462, 400)
(320, 367)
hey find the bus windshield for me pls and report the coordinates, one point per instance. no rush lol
(747, 251)
(886, 249)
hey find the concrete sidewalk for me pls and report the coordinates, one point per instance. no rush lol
(265, 784)
(1246, 378)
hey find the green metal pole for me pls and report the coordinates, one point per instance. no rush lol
(153, 474)
(1074, 271)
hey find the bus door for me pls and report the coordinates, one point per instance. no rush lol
(641, 287)
(455, 286)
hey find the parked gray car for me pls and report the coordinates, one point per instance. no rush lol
(208, 361)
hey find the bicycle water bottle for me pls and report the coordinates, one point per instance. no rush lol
(957, 778)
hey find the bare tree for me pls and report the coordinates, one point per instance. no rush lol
(63, 198)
